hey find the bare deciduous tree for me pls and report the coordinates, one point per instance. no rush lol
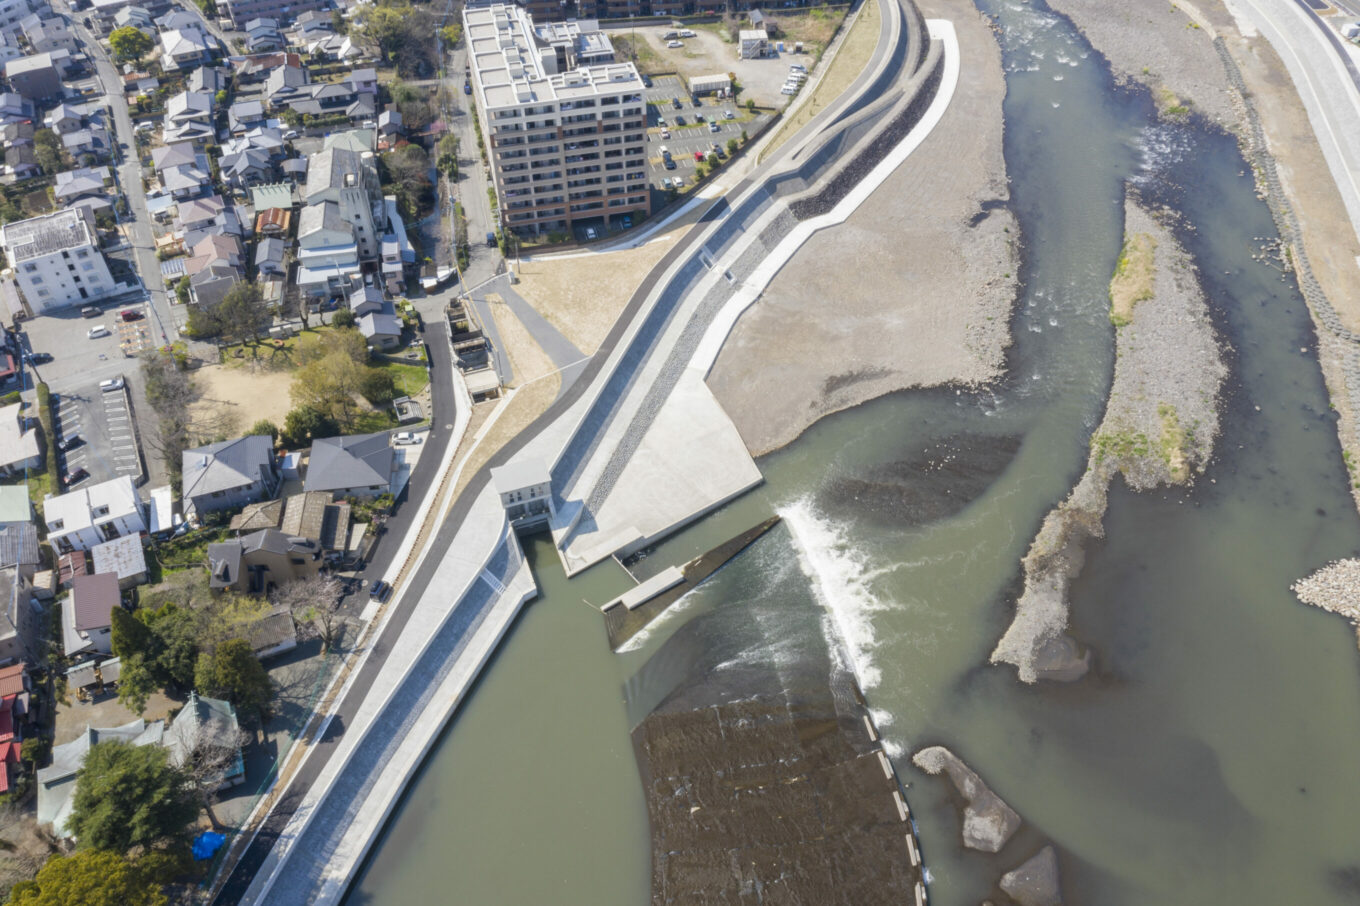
(314, 604)
(209, 756)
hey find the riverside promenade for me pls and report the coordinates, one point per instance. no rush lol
(471, 579)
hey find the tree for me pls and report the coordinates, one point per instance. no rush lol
(408, 174)
(314, 604)
(451, 34)
(732, 146)
(210, 755)
(158, 647)
(130, 796)
(47, 148)
(402, 33)
(305, 424)
(182, 291)
(232, 671)
(221, 100)
(342, 318)
(265, 426)
(170, 392)
(130, 43)
(242, 312)
(338, 22)
(90, 878)
(446, 156)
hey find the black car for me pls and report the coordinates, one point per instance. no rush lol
(379, 590)
(76, 477)
(675, 102)
(70, 442)
(38, 358)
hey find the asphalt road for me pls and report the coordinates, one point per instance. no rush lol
(128, 174)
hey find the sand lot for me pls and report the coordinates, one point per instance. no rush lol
(245, 394)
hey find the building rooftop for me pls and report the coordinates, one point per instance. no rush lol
(45, 235)
(226, 465)
(94, 598)
(123, 557)
(520, 474)
(360, 461)
(15, 505)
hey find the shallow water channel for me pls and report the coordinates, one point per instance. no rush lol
(1210, 756)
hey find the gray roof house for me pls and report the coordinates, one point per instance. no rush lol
(269, 256)
(244, 115)
(73, 184)
(204, 722)
(382, 329)
(363, 465)
(229, 474)
(57, 781)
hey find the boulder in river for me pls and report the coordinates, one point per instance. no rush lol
(1035, 882)
(988, 822)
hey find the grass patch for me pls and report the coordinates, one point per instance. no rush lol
(408, 379)
(1172, 442)
(190, 550)
(1120, 445)
(636, 49)
(373, 422)
(1132, 282)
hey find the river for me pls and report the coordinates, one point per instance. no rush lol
(1210, 755)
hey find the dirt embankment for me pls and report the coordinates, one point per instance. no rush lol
(1159, 428)
(915, 289)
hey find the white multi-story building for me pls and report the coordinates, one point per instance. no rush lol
(90, 516)
(12, 12)
(341, 230)
(566, 137)
(56, 260)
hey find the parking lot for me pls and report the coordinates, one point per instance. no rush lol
(689, 129)
(96, 426)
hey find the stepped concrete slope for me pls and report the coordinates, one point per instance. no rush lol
(641, 394)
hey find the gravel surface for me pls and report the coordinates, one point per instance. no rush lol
(1335, 588)
(1160, 45)
(934, 306)
(1159, 429)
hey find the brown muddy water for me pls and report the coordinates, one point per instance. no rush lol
(1210, 757)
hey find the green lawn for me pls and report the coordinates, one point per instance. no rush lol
(408, 379)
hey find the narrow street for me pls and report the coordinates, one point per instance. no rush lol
(128, 173)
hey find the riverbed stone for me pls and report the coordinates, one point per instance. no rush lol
(1035, 881)
(988, 822)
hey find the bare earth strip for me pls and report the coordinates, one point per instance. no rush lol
(527, 404)
(246, 395)
(906, 293)
(845, 67)
(527, 358)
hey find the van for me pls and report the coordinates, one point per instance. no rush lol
(670, 36)
(90, 311)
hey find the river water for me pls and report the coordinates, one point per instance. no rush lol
(1210, 756)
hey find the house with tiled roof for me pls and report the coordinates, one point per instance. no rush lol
(362, 465)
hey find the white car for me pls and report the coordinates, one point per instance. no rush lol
(591, 234)
(675, 44)
(789, 89)
(405, 438)
(729, 114)
(97, 332)
(713, 127)
(797, 67)
(665, 133)
(290, 135)
(686, 33)
(111, 384)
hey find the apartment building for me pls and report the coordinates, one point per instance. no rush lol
(56, 259)
(342, 227)
(566, 137)
(12, 12)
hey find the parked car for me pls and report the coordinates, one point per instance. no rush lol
(717, 149)
(76, 477)
(405, 438)
(713, 126)
(38, 358)
(111, 384)
(665, 133)
(675, 102)
(90, 311)
(699, 118)
(591, 233)
(686, 33)
(97, 332)
(70, 442)
(626, 221)
(679, 120)
(789, 89)
(130, 314)
(669, 164)
(290, 135)
(379, 590)
(675, 44)
(491, 240)
(729, 114)
(698, 155)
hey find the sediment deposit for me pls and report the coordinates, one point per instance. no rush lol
(915, 289)
(1159, 427)
(988, 822)
(1334, 588)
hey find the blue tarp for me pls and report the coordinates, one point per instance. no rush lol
(206, 845)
